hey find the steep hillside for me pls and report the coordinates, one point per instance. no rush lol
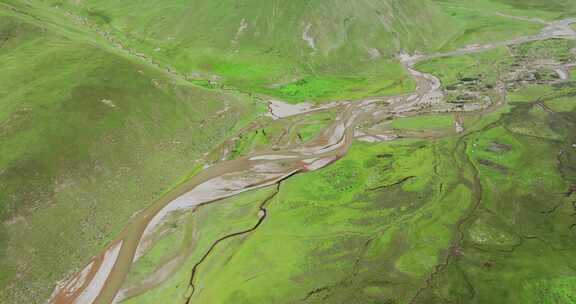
(301, 50)
(87, 138)
(292, 49)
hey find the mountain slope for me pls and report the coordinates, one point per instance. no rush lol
(302, 50)
(87, 138)
(340, 49)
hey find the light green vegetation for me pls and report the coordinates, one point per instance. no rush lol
(266, 134)
(380, 202)
(90, 134)
(87, 137)
(281, 132)
(392, 80)
(298, 50)
(551, 49)
(497, 195)
(480, 22)
(563, 104)
(313, 126)
(555, 290)
(543, 9)
(494, 20)
(518, 245)
(424, 122)
(452, 70)
(190, 236)
(302, 50)
(529, 94)
(465, 77)
(523, 211)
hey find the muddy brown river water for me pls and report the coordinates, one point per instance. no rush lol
(102, 278)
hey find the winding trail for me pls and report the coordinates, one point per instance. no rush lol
(102, 278)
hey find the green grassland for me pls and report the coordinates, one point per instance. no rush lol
(259, 46)
(424, 122)
(494, 196)
(451, 70)
(393, 209)
(272, 133)
(556, 49)
(90, 134)
(517, 247)
(557, 9)
(88, 137)
(367, 217)
(479, 22)
(190, 235)
(270, 55)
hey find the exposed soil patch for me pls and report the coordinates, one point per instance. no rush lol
(498, 148)
(400, 182)
(493, 165)
(571, 191)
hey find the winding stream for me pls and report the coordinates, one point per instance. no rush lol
(103, 277)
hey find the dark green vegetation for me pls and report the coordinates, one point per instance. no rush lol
(518, 245)
(467, 73)
(91, 133)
